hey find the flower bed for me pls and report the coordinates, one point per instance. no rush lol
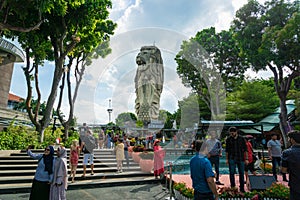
(277, 191)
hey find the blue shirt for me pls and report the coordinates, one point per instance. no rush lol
(40, 173)
(200, 170)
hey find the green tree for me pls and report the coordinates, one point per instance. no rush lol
(269, 38)
(210, 64)
(79, 60)
(71, 28)
(126, 118)
(189, 111)
(167, 118)
(253, 100)
(21, 106)
(17, 15)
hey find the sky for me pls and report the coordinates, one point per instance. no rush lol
(163, 23)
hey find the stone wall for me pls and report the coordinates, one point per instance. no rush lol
(5, 81)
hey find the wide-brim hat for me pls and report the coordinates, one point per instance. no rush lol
(156, 141)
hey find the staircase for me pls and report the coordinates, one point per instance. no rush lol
(17, 171)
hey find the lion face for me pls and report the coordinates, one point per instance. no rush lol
(148, 54)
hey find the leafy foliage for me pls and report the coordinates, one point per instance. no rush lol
(17, 137)
(71, 29)
(189, 111)
(269, 37)
(124, 118)
(252, 101)
(147, 155)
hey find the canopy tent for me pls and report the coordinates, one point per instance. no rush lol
(240, 124)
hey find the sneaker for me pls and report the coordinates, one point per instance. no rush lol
(219, 183)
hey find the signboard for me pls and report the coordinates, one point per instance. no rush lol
(156, 124)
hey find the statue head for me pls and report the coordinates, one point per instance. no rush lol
(149, 54)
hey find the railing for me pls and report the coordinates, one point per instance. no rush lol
(11, 48)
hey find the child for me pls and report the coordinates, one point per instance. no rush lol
(74, 156)
(119, 154)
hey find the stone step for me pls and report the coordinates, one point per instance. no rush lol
(20, 166)
(95, 182)
(25, 172)
(31, 161)
(27, 178)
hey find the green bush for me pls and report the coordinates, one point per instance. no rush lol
(73, 135)
(18, 137)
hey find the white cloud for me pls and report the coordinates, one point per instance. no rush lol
(165, 23)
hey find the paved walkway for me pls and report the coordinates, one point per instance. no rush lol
(224, 178)
(134, 192)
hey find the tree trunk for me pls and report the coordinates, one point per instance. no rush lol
(283, 121)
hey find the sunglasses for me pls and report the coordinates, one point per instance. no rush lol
(47, 149)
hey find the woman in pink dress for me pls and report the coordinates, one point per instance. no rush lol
(74, 156)
(159, 155)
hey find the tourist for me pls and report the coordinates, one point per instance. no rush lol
(74, 156)
(119, 149)
(202, 176)
(43, 175)
(108, 140)
(126, 145)
(87, 147)
(159, 155)
(236, 155)
(60, 176)
(291, 164)
(274, 151)
(101, 138)
(251, 161)
(175, 141)
(213, 147)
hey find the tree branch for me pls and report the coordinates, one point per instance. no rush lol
(5, 26)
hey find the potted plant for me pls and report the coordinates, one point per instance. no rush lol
(136, 151)
(146, 162)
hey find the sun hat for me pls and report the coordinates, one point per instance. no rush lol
(156, 141)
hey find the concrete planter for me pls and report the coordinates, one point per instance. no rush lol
(136, 157)
(146, 165)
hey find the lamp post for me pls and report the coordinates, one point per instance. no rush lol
(54, 127)
(109, 110)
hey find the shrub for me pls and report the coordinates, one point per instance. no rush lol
(18, 137)
(227, 192)
(277, 190)
(146, 155)
(138, 148)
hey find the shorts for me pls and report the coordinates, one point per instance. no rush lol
(250, 167)
(88, 157)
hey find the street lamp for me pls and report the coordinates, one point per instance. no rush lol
(109, 110)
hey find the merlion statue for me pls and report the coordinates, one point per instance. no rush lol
(148, 83)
